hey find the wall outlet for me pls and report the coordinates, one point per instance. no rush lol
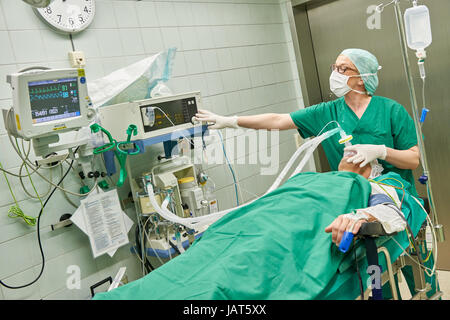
(77, 59)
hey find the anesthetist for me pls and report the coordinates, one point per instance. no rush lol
(381, 128)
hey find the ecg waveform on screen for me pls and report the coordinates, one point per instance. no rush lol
(54, 99)
(48, 96)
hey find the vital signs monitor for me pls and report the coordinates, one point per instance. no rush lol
(47, 102)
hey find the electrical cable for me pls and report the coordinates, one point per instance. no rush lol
(137, 256)
(435, 247)
(8, 172)
(39, 234)
(36, 168)
(34, 188)
(138, 237)
(16, 175)
(15, 211)
(150, 243)
(149, 266)
(33, 68)
(231, 169)
(66, 196)
(25, 189)
(28, 154)
(71, 41)
(404, 251)
(29, 175)
(154, 250)
(397, 210)
(168, 241)
(408, 227)
(410, 234)
(195, 222)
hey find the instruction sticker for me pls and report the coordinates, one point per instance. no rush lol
(18, 122)
(60, 127)
(105, 222)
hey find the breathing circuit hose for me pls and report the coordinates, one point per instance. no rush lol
(196, 222)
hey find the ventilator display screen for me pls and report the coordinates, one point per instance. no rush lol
(54, 99)
(168, 114)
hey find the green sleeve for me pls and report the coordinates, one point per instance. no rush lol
(310, 120)
(403, 129)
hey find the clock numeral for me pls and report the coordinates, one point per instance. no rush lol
(66, 16)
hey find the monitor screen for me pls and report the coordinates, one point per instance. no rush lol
(54, 99)
(173, 113)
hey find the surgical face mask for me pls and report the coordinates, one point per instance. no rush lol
(339, 86)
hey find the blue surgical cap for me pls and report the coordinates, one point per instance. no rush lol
(365, 62)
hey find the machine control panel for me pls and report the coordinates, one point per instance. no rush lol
(155, 117)
(168, 114)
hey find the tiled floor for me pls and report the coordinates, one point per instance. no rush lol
(444, 284)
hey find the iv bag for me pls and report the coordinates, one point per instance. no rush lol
(418, 27)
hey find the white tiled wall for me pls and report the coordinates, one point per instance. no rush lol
(238, 53)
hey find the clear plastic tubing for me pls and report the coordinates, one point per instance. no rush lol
(196, 222)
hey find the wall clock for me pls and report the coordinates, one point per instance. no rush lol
(68, 16)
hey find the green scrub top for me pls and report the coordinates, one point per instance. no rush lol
(385, 121)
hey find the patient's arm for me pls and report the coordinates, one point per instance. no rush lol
(387, 215)
(343, 223)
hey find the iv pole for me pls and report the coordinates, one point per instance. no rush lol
(412, 94)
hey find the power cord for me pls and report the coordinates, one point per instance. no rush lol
(231, 169)
(39, 234)
(140, 245)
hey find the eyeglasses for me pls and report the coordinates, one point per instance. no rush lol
(341, 69)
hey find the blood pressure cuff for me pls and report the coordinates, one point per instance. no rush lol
(375, 228)
(386, 212)
(380, 198)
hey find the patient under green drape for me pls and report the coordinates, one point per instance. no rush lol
(274, 248)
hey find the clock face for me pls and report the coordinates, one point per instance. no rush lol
(68, 16)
